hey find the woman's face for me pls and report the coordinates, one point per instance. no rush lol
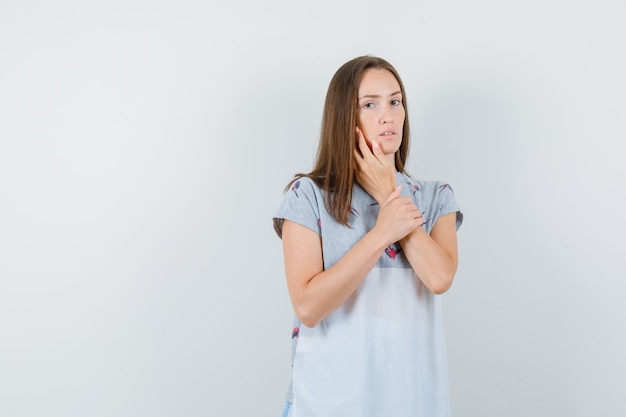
(380, 115)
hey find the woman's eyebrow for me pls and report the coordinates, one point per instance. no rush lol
(378, 95)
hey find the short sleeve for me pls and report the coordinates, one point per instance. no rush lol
(446, 203)
(301, 205)
(433, 198)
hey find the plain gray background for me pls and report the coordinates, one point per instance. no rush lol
(144, 147)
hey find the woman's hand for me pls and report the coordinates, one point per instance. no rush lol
(375, 172)
(398, 217)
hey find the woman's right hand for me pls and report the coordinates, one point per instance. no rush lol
(398, 217)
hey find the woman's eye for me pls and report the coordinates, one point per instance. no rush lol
(369, 105)
(395, 102)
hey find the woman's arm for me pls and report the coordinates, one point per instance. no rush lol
(434, 257)
(315, 292)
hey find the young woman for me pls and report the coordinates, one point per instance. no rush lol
(367, 249)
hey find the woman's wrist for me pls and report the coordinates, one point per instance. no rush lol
(382, 196)
(381, 237)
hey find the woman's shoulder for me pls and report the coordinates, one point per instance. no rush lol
(302, 184)
(301, 204)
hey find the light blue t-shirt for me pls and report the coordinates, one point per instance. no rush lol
(382, 352)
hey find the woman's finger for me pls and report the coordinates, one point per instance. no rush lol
(362, 143)
(378, 153)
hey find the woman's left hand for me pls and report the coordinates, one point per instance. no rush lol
(375, 172)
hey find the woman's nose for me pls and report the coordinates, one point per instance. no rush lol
(385, 116)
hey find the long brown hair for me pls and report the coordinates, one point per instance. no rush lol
(334, 170)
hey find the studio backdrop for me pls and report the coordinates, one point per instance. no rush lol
(144, 147)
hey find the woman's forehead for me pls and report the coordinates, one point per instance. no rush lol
(377, 82)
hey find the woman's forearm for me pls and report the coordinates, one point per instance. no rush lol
(433, 257)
